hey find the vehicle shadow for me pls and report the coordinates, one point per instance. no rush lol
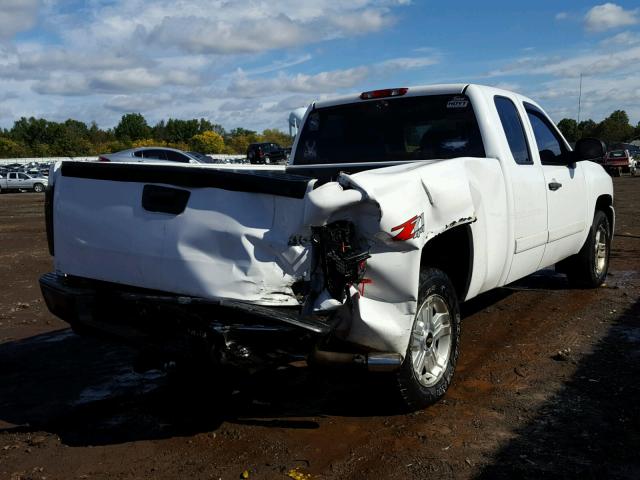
(86, 392)
(590, 428)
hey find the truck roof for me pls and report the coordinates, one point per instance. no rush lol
(417, 90)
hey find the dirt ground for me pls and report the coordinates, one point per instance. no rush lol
(546, 387)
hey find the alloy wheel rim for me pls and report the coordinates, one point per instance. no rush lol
(431, 340)
(601, 253)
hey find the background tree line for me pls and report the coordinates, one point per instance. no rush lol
(37, 137)
(613, 129)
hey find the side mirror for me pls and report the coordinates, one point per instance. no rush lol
(589, 149)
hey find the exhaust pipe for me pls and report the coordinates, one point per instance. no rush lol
(374, 362)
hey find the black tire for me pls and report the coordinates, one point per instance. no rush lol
(38, 187)
(415, 395)
(582, 269)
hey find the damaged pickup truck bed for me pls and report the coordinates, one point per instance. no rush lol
(396, 205)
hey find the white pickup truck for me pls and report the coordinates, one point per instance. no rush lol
(22, 181)
(396, 205)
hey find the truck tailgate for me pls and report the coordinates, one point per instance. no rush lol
(189, 230)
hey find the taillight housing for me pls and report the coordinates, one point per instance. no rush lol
(387, 92)
(343, 256)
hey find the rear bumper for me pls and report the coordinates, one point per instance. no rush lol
(170, 324)
(173, 327)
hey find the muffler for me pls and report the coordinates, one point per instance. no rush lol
(374, 361)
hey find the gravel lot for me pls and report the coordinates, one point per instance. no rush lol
(546, 386)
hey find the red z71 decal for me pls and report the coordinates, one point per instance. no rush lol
(412, 228)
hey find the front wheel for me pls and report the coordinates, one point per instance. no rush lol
(589, 267)
(38, 187)
(433, 348)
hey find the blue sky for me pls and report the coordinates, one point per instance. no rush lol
(250, 62)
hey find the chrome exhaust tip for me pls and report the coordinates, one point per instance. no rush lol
(374, 362)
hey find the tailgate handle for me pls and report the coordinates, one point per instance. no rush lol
(164, 199)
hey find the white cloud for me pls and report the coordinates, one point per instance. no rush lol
(290, 103)
(409, 63)
(137, 103)
(225, 27)
(561, 16)
(323, 82)
(62, 84)
(622, 39)
(604, 62)
(609, 15)
(101, 57)
(17, 16)
(239, 106)
(600, 96)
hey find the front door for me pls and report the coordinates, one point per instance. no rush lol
(565, 189)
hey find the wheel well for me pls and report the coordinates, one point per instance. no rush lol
(604, 203)
(452, 252)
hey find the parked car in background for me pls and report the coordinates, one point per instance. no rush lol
(266, 153)
(202, 158)
(149, 154)
(617, 162)
(22, 181)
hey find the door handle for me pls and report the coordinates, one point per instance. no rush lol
(553, 186)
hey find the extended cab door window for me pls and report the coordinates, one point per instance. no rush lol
(551, 148)
(514, 130)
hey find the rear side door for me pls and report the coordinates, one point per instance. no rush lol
(565, 188)
(154, 154)
(527, 181)
(174, 156)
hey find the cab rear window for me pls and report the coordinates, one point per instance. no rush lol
(408, 128)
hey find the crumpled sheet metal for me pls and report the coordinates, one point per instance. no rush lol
(253, 247)
(436, 192)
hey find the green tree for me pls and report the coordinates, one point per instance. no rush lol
(159, 131)
(615, 128)
(208, 142)
(132, 126)
(276, 136)
(12, 149)
(181, 131)
(33, 131)
(569, 128)
(587, 128)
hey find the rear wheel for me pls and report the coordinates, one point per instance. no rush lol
(589, 267)
(433, 349)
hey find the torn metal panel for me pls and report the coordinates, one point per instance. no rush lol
(254, 246)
